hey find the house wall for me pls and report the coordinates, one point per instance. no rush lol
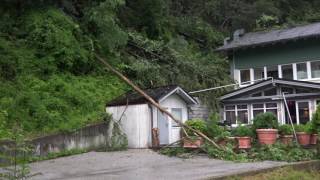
(198, 111)
(136, 123)
(290, 52)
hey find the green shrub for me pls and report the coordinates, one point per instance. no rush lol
(265, 121)
(215, 131)
(316, 120)
(242, 131)
(281, 152)
(285, 129)
(302, 128)
(197, 124)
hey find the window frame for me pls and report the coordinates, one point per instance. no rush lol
(264, 108)
(252, 78)
(316, 61)
(278, 68)
(245, 83)
(173, 123)
(297, 110)
(236, 113)
(281, 70)
(296, 71)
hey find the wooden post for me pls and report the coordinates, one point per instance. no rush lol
(153, 102)
(155, 138)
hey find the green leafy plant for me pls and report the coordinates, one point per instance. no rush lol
(285, 129)
(281, 152)
(302, 128)
(265, 121)
(15, 155)
(242, 131)
(316, 120)
(174, 151)
(215, 131)
(197, 124)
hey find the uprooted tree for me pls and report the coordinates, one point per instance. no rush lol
(153, 102)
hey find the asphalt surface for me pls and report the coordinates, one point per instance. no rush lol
(141, 164)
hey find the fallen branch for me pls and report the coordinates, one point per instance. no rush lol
(153, 102)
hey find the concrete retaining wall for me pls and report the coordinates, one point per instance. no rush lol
(90, 138)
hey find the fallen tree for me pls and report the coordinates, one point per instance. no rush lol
(153, 102)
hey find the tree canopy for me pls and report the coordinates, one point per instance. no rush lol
(50, 80)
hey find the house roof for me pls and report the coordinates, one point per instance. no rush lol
(268, 82)
(271, 37)
(158, 94)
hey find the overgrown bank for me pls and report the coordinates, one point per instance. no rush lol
(50, 80)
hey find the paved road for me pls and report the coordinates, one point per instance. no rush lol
(138, 165)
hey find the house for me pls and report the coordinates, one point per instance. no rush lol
(139, 117)
(278, 71)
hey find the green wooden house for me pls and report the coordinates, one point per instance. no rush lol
(278, 71)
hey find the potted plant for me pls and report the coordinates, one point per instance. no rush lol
(303, 134)
(243, 134)
(285, 132)
(194, 141)
(315, 123)
(313, 133)
(265, 125)
(219, 133)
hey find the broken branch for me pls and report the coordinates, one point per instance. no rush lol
(153, 102)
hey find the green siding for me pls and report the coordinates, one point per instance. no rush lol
(297, 51)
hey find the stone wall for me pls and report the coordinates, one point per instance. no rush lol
(89, 138)
(199, 110)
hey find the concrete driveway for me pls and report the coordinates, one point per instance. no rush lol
(138, 165)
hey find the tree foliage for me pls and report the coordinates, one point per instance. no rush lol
(50, 80)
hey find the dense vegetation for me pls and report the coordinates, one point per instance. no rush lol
(50, 80)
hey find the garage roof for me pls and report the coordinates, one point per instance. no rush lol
(158, 94)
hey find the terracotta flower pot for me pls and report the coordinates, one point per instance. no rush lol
(303, 138)
(313, 139)
(244, 142)
(267, 136)
(192, 142)
(286, 139)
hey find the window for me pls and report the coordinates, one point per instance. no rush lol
(242, 114)
(270, 92)
(237, 114)
(273, 108)
(257, 109)
(230, 114)
(315, 69)
(245, 76)
(177, 113)
(264, 107)
(303, 110)
(272, 71)
(302, 71)
(258, 73)
(287, 71)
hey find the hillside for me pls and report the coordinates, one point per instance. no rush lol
(50, 80)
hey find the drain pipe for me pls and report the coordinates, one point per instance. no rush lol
(287, 108)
